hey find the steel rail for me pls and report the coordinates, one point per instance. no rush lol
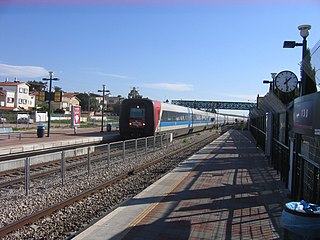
(53, 169)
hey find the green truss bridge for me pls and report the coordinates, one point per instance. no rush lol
(213, 105)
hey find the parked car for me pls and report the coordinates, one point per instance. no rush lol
(2, 119)
(25, 120)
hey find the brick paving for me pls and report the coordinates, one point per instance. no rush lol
(232, 193)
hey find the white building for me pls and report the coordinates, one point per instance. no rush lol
(15, 95)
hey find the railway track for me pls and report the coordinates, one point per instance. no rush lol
(13, 177)
(130, 173)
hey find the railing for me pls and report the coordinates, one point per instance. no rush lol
(306, 181)
(305, 173)
(280, 159)
(259, 135)
(93, 157)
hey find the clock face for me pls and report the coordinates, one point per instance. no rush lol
(286, 81)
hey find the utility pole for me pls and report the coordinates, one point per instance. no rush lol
(88, 102)
(50, 79)
(103, 95)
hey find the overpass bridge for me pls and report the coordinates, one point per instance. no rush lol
(213, 105)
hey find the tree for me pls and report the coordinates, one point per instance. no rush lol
(134, 93)
(85, 100)
(37, 86)
(57, 89)
(310, 74)
(116, 108)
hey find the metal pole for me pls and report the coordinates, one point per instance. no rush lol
(50, 79)
(49, 109)
(27, 175)
(88, 102)
(109, 154)
(103, 90)
(88, 158)
(103, 105)
(146, 145)
(124, 150)
(136, 148)
(63, 168)
(303, 73)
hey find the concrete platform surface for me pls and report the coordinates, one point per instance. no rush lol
(58, 137)
(225, 191)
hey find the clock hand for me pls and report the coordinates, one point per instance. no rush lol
(287, 80)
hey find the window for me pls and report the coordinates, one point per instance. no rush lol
(168, 116)
(10, 100)
(20, 90)
(199, 117)
(137, 113)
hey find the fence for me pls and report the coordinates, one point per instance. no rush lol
(304, 177)
(93, 158)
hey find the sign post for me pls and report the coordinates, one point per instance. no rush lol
(75, 117)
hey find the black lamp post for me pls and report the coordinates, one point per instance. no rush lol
(103, 94)
(271, 88)
(304, 33)
(50, 79)
(89, 102)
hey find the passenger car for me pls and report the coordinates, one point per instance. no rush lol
(145, 117)
(24, 120)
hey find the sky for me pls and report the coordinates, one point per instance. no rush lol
(191, 50)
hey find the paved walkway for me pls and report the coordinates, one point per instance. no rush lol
(225, 191)
(66, 136)
(232, 194)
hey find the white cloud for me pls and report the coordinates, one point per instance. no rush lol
(110, 75)
(179, 87)
(22, 71)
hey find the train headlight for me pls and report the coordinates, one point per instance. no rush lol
(143, 124)
(130, 123)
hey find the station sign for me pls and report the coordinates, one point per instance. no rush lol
(75, 116)
(46, 96)
(306, 114)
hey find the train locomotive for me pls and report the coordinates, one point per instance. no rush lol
(145, 117)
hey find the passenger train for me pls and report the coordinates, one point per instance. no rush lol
(145, 117)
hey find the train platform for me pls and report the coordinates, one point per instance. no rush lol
(58, 137)
(227, 190)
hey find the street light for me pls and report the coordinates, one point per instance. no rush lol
(304, 33)
(50, 79)
(271, 88)
(103, 94)
(89, 102)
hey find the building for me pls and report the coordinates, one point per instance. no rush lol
(68, 100)
(15, 96)
(111, 100)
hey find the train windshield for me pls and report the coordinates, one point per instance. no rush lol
(137, 113)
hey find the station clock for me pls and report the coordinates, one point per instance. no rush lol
(286, 81)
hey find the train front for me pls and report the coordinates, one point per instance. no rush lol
(136, 118)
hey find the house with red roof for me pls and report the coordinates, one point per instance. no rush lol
(16, 96)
